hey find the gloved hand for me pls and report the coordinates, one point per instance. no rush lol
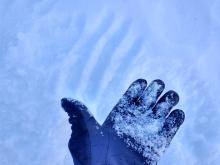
(136, 132)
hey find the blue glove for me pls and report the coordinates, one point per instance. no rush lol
(137, 131)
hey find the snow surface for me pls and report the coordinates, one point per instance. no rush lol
(92, 51)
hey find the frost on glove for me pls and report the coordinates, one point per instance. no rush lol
(137, 131)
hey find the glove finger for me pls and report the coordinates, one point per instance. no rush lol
(151, 93)
(79, 116)
(75, 108)
(165, 104)
(130, 97)
(172, 124)
(134, 92)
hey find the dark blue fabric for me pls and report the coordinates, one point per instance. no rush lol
(94, 144)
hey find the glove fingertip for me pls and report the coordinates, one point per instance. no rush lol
(178, 116)
(173, 123)
(63, 102)
(68, 104)
(76, 108)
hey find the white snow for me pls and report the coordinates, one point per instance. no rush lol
(41, 42)
(139, 125)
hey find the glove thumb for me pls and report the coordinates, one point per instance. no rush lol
(79, 116)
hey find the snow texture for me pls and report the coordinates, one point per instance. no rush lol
(92, 51)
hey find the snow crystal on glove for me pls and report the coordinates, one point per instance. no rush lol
(136, 125)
